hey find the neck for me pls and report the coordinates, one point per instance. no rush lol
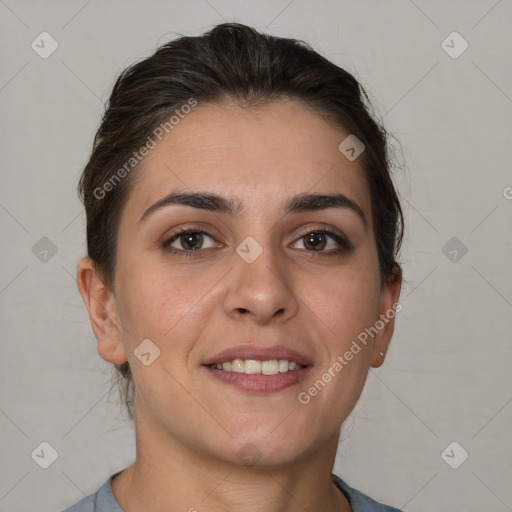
(169, 476)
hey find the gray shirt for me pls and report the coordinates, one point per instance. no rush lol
(103, 500)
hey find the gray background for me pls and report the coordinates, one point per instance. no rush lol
(446, 377)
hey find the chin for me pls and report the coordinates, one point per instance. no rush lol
(263, 450)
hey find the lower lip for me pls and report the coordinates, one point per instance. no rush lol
(259, 383)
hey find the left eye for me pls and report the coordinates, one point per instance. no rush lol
(319, 240)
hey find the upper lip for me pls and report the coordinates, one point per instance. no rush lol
(259, 353)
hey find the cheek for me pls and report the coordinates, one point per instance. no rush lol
(343, 310)
(346, 302)
(164, 305)
(168, 310)
(357, 308)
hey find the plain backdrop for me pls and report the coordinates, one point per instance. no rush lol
(446, 378)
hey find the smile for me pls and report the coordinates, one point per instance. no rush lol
(259, 377)
(254, 366)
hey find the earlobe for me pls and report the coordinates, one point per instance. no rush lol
(102, 308)
(390, 294)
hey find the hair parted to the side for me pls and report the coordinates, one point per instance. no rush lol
(231, 61)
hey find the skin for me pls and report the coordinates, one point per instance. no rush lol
(190, 426)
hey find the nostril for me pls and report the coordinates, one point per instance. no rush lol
(243, 311)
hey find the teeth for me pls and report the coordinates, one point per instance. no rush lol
(253, 366)
(236, 366)
(270, 367)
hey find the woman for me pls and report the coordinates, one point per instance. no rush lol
(242, 229)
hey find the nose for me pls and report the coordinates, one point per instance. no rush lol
(261, 289)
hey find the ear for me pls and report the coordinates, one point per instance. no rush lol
(390, 293)
(102, 307)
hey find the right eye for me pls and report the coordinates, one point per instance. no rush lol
(192, 241)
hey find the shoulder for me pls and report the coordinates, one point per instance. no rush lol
(361, 502)
(101, 501)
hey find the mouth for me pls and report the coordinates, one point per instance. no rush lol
(254, 380)
(259, 370)
(256, 367)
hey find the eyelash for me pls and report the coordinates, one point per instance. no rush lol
(343, 243)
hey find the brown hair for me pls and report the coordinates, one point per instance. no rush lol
(230, 61)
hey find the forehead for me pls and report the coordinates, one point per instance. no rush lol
(257, 155)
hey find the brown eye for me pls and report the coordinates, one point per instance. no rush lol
(191, 240)
(315, 241)
(186, 242)
(323, 240)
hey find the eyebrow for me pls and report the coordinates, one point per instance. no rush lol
(215, 203)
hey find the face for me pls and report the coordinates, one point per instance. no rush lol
(266, 274)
